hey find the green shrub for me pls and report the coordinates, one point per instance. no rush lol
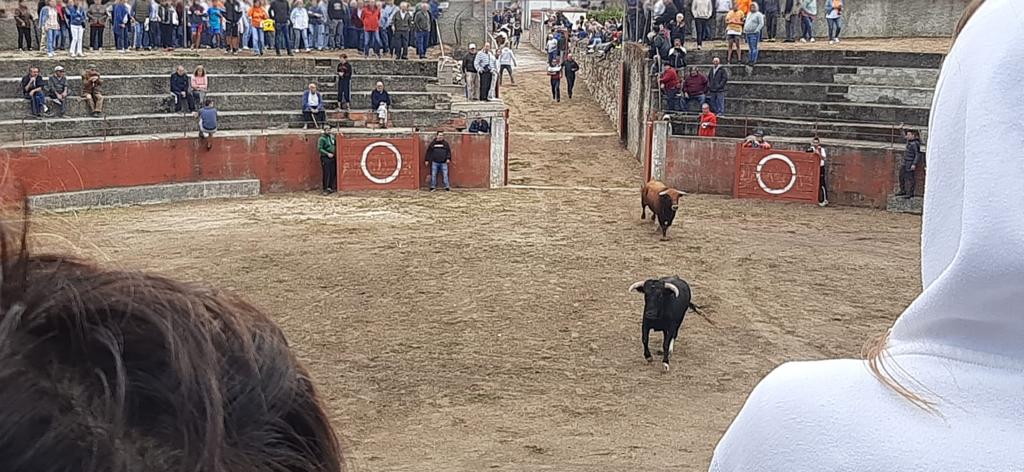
(605, 14)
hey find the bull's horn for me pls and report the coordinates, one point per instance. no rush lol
(663, 193)
(673, 288)
(636, 286)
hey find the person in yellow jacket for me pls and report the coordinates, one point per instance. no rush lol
(733, 32)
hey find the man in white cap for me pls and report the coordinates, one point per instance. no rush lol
(942, 390)
(469, 75)
(57, 87)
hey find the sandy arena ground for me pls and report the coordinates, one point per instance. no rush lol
(492, 330)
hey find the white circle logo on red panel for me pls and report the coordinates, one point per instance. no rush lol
(398, 164)
(760, 180)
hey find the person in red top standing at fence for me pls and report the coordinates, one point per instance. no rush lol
(708, 122)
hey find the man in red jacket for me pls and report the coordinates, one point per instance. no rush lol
(371, 28)
(695, 86)
(708, 122)
(670, 88)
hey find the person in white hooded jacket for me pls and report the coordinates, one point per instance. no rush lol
(945, 392)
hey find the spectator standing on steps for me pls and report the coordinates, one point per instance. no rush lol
(486, 65)
(57, 89)
(207, 123)
(770, 8)
(232, 16)
(469, 75)
(818, 150)
(722, 8)
(76, 24)
(834, 17)
(403, 25)
(49, 23)
(33, 89)
(313, 107)
(281, 14)
(371, 28)
(299, 18)
(317, 13)
(121, 21)
(23, 21)
(677, 55)
(555, 73)
(344, 82)
(337, 12)
(570, 67)
(91, 84)
(718, 80)
(733, 32)
(808, 10)
(708, 122)
(140, 16)
(752, 28)
(695, 86)
(421, 22)
(257, 17)
(327, 146)
(908, 168)
(703, 15)
(439, 155)
(98, 18)
(179, 90)
(168, 22)
(791, 15)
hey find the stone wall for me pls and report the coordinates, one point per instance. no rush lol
(603, 76)
(623, 73)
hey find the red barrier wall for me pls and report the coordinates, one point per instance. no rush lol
(777, 174)
(471, 160)
(857, 176)
(281, 162)
(378, 162)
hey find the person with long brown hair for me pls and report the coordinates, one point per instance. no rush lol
(944, 389)
(113, 370)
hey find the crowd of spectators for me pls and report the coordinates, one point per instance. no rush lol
(372, 27)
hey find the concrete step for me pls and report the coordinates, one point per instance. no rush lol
(888, 95)
(829, 57)
(890, 76)
(13, 132)
(811, 111)
(742, 126)
(913, 205)
(17, 108)
(161, 64)
(258, 83)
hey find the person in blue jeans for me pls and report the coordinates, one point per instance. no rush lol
(421, 26)
(753, 26)
(439, 156)
(33, 88)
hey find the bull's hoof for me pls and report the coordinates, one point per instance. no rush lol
(649, 359)
(664, 366)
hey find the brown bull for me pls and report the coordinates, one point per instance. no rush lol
(663, 202)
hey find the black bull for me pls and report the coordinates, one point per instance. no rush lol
(665, 303)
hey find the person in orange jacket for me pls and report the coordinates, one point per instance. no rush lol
(744, 6)
(708, 122)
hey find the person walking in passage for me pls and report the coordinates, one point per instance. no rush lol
(506, 63)
(911, 159)
(818, 150)
(327, 146)
(570, 67)
(439, 156)
(940, 390)
(555, 73)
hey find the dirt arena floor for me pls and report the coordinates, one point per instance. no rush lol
(492, 330)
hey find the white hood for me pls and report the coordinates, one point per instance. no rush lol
(972, 251)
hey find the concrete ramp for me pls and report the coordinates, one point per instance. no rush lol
(145, 195)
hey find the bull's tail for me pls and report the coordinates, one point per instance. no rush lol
(696, 309)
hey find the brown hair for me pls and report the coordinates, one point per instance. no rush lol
(112, 370)
(875, 351)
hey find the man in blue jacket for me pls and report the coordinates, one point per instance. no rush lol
(179, 90)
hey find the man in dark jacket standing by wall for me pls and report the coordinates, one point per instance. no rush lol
(327, 146)
(718, 79)
(911, 159)
(439, 155)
